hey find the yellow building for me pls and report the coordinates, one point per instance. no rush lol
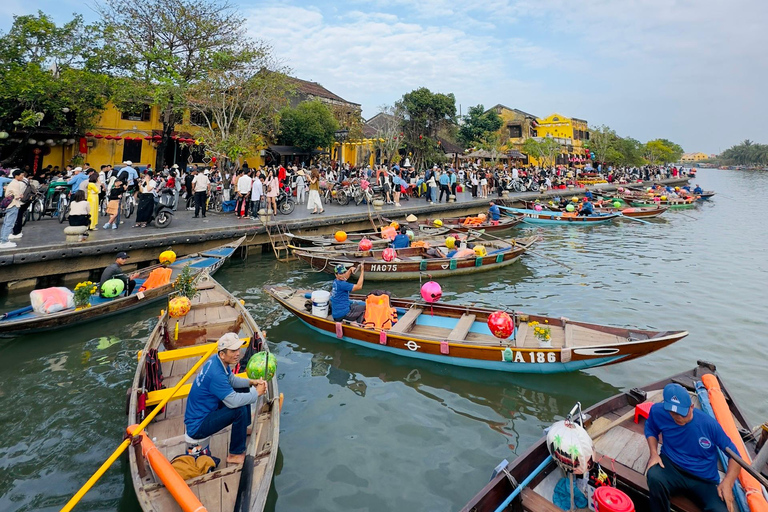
(694, 157)
(572, 133)
(517, 126)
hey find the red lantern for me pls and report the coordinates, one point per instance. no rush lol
(89, 134)
(149, 137)
(99, 136)
(127, 138)
(501, 324)
(109, 137)
(157, 138)
(213, 159)
(388, 254)
(365, 245)
(116, 137)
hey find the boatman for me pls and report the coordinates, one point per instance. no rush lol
(586, 207)
(494, 213)
(698, 190)
(219, 398)
(341, 305)
(115, 272)
(688, 461)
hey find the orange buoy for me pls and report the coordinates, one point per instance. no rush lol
(168, 475)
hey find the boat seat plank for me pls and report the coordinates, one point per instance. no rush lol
(533, 502)
(407, 321)
(477, 338)
(161, 499)
(521, 334)
(209, 493)
(155, 397)
(462, 327)
(229, 487)
(429, 331)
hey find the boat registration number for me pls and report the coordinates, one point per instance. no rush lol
(383, 267)
(530, 357)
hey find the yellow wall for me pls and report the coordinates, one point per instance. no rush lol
(694, 157)
(557, 125)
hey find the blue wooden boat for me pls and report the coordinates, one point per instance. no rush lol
(26, 320)
(459, 335)
(557, 217)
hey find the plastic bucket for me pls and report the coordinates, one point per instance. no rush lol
(610, 499)
(320, 300)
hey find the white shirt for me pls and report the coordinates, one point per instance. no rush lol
(200, 183)
(244, 183)
(257, 191)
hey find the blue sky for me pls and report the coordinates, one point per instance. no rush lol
(691, 71)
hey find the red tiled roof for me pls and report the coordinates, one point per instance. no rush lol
(317, 90)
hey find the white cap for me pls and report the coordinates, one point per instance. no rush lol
(206, 172)
(174, 166)
(128, 162)
(77, 169)
(229, 341)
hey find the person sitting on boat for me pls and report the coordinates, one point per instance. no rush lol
(114, 271)
(588, 195)
(401, 241)
(586, 208)
(688, 461)
(698, 190)
(219, 398)
(494, 213)
(341, 305)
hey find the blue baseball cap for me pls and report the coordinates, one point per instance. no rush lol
(340, 269)
(676, 399)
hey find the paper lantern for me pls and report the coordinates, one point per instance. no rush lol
(89, 134)
(258, 363)
(481, 216)
(389, 254)
(575, 199)
(431, 291)
(663, 198)
(340, 236)
(109, 137)
(167, 257)
(538, 208)
(437, 223)
(501, 324)
(616, 204)
(365, 245)
(99, 136)
(570, 447)
(179, 306)
(410, 234)
(570, 208)
(394, 224)
(450, 242)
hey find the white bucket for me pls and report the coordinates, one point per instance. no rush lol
(320, 300)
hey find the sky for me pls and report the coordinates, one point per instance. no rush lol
(690, 71)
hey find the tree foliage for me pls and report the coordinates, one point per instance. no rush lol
(163, 48)
(543, 149)
(610, 148)
(49, 69)
(480, 127)
(310, 125)
(388, 138)
(662, 151)
(424, 114)
(746, 153)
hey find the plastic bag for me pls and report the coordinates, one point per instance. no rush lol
(51, 300)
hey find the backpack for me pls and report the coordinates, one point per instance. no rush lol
(28, 193)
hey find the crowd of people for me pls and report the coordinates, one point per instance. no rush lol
(248, 191)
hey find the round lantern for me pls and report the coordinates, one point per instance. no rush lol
(410, 234)
(450, 242)
(575, 199)
(616, 204)
(179, 306)
(481, 216)
(570, 208)
(480, 250)
(258, 363)
(388, 254)
(538, 208)
(501, 324)
(437, 223)
(431, 291)
(657, 199)
(663, 198)
(620, 189)
(365, 245)
(167, 257)
(394, 224)
(570, 447)
(340, 236)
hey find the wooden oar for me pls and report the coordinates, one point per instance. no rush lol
(634, 219)
(747, 467)
(536, 253)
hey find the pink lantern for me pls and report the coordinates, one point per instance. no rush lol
(365, 245)
(538, 208)
(431, 291)
(388, 254)
(501, 324)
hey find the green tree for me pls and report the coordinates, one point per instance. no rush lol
(550, 148)
(424, 114)
(309, 126)
(661, 151)
(164, 47)
(48, 79)
(389, 139)
(480, 127)
(601, 139)
(532, 148)
(746, 153)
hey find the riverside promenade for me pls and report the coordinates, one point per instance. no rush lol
(43, 258)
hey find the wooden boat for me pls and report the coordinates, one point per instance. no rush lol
(619, 447)
(459, 335)
(672, 204)
(558, 217)
(25, 320)
(352, 239)
(214, 312)
(430, 239)
(705, 195)
(415, 262)
(600, 207)
(464, 224)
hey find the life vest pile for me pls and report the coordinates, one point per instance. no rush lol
(378, 313)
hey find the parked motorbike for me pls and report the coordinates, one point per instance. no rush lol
(285, 203)
(162, 214)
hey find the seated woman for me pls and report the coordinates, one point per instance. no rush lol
(79, 210)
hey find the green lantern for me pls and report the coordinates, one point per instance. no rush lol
(257, 364)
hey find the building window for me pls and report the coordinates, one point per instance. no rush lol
(515, 131)
(136, 113)
(197, 119)
(586, 135)
(132, 150)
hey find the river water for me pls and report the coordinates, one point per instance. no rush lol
(365, 431)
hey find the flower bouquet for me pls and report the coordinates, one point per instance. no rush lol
(542, 332)
(83, 292)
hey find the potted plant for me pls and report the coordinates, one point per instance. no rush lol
(83, 292)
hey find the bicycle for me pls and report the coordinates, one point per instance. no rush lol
(336, 193)
(216, 200)
(127, 205)
(62, 208)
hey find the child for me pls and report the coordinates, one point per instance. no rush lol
(113, 206)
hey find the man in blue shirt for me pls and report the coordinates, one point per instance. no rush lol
(132, 174)
(697, 190)
(586, 208)
(401, 241)
(688, 461)
(76, 180)
(219, 398)
(494, 212)
(341, 306)
(445, 181)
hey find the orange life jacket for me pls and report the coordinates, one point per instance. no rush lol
(420, 243)
(157, 277)
(378, 313)
(472, 221)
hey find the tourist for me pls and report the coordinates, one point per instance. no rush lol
(342, 307)
(689, 456)
(431, 188)
(273, 189)
(189, 189)
(313, 201)
(116, 192)
(452, 180)
(398, 187)
(401, 241)
(114, 271)
(483, 185)
(79, 210)
(475, 182)
(445, 186)
(301, 186)
(174, 183)
(146, 206)
(257, 194)
(219, 398)
(201, 186)
(93, 190)
(132, 175)
(31, 188)
(78, 178)
(14, 189)
(244, 185)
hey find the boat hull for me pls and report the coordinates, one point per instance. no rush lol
(558, 218)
